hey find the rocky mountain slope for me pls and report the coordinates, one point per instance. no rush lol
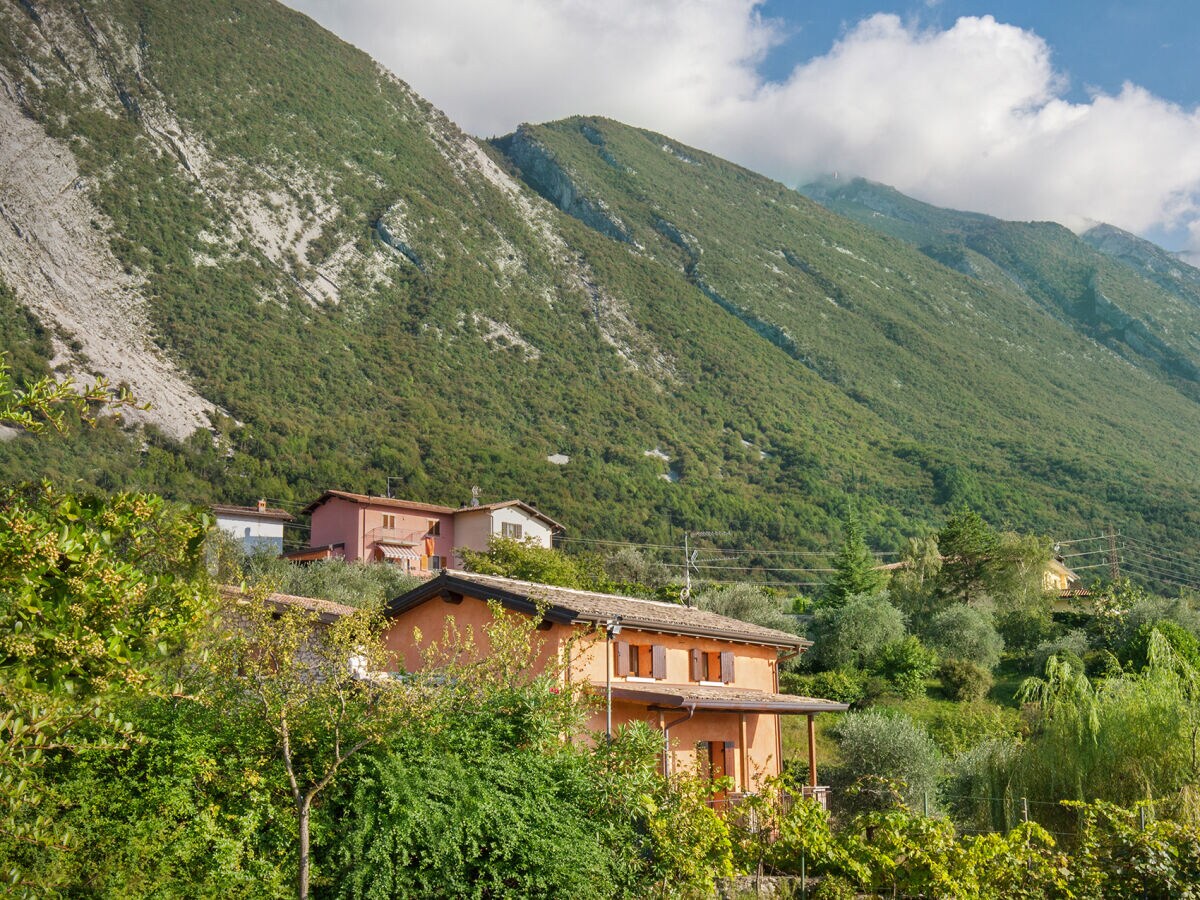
(269, 237)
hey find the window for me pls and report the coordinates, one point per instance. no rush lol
(510, 530)
(389, 520)
(435, 527)
(435, 562)
(712, 666)
(247, 531)
(640, 660)
(717, 759)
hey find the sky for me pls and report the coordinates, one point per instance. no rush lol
(1077, 111)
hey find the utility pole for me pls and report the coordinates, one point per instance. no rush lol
(1114, 562)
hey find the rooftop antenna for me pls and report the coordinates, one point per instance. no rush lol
(689, 560)
(388, 489)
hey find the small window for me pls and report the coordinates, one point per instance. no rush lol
(435, 563)
(510, 530)
(435, 527)
(643, 661)
(712, 666)
(247, 531)
(389, 521)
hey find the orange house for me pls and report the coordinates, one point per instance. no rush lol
(709, 683)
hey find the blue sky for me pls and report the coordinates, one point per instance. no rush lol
(1076, 112)
(1099, 44)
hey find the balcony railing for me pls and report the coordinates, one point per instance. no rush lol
(395, 536)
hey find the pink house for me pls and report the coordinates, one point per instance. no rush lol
(419, 537)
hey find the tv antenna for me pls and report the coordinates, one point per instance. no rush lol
(689, 560)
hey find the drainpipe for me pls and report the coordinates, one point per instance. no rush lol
(691, 711)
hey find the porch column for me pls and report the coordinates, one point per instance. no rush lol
(812, 750)
(745, 747)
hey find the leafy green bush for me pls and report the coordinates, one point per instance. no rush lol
(851, 635)
(964, 681)
(746, 603)
(843, 685)
(1074, 644)
(887, 746)
(965, 633)
(1136, 651)
(834, 887)
(905, 664)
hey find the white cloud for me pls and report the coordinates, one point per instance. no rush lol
(973, 116)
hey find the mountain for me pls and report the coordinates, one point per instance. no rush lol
(1122, 291)
(319, 281)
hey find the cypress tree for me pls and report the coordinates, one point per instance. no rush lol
(855, 568)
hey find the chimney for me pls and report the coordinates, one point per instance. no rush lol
(262, 505)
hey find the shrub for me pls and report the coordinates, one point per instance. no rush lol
(905, 664)
(1136, 650)
(1101, 664)
(965, 633)
(853, 634)
(963, 680)
(1072, 645)
(843, 685)
(834, 887)
(1024, 627)
(892, 747)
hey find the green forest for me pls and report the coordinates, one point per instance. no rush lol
(780, 357)
(645, 342)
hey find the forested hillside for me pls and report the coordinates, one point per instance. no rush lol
(319, 281)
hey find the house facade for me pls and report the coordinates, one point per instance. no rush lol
(708, 683)
(257, 527)
(421, 538)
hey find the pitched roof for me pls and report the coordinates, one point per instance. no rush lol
(377, 501)
(567, 606)
(684, 696)
(504, 504)
(252, 512)
(326, 610)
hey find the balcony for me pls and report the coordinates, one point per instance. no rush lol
(395, 536)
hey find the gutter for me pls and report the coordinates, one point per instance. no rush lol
(667, 726)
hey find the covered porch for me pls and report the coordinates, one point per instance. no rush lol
(745, 723)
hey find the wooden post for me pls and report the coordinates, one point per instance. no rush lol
(812, 750)
(745, 746)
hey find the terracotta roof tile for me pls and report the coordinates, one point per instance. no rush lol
(568, 604)
(325, 608)
(681, 696)
(253, 511)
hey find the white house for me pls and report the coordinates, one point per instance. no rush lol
(256, 527)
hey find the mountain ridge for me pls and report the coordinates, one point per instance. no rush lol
(355, 289)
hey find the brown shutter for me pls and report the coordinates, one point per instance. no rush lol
(621, 649)
(726, 666)
(658, 663)
(697, 662)
(730, 762)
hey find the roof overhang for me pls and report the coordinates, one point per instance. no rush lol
(672, 697)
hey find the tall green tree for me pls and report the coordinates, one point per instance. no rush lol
(856, 571)
(320, 693)
(970, 558)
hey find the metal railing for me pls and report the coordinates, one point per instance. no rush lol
(395, 536)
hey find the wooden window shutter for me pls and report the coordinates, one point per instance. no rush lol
(730, 761)
(726, 666)
(658, 662)
(621, 649)
(697, 663)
